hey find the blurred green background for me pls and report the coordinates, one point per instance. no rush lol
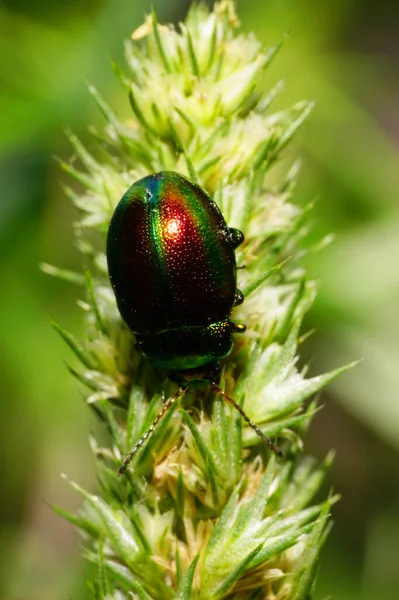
(343, 53)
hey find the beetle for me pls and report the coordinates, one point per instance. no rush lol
(172, 266)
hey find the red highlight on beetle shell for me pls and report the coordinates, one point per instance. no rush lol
(173, 229)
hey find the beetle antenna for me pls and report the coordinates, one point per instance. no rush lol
(257, 429)
(176, 398)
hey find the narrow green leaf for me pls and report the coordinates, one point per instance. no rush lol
(95, 589)
(219, 432)
(127, 582)
(185, 588)
(140, 591)
(193, 173)
(173, 134)
(223, 524)
(87, 159)
(80, 352)
(121, 75)
(219, 132)
(140, 117)
(307, 387)
(309, 483)
(252, 287)
(135, 520)
(193, 58)
(112, 423)
(304, 108)
(93, 301)
(286, 353)
(185, 118)
(102, 579)
(291, 180)
(220, 54)
(179, 569)
(271, 52)
(103, 106)
(212, 51)
(235, 575)
(209, 164)
(268, 98)
(278, 544)
(256, 507)
(136, 415)
(87, 181)
(180, 494)
(85, 378)
(82, 523)
(63, 274)
(121, 539)
(159, 43)
(265, 149)
(206, 456)
(287, 323)
(304, 577)
(226, 436)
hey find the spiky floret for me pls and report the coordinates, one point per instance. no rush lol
(203, 511)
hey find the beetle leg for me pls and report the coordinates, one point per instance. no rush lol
(176, 398)
(237, 327)
(257, 429)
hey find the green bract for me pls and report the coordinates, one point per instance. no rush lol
(204, 511)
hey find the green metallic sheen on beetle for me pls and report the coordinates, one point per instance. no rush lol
(171, 262)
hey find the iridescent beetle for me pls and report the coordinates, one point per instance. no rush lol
(171, 262)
